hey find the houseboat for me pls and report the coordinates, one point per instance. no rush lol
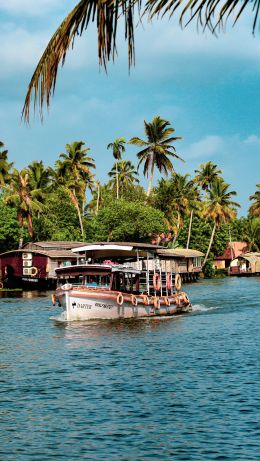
(118, 281)
(33, 266)
(245, 264)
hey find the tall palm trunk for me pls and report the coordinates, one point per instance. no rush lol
(151, 179)
(80, 220)
(177, 227)
(210, 244)
(74, 200)
(30, 224)
(189, 233)
(117, 182)
(98, 197)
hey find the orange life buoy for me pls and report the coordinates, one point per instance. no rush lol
(156, 281)
(168, 281)
(177, 282)
(120, 299)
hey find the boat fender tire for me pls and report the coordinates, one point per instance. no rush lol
(156, 281)
(167, 301)
(177, 300)
(120, 299)
(66, 286)
(134, 300)
(145, 300)
(34, 271)
(156, 303)
(1, 285)
(177, 282)
(186, 300)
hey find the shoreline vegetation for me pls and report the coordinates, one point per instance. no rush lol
(68, 201)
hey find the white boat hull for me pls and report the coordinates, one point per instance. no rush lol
(82, 305)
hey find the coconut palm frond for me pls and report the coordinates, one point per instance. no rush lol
(210, 14)
(106, 14)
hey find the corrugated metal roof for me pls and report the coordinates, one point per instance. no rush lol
(180, 252)
(55, 245)
(50, 253)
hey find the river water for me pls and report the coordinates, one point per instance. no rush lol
(185, 388)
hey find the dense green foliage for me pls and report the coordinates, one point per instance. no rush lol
(127, 222)
(67, 202)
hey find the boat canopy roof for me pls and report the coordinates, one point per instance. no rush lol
(128, 250)
(95, 269)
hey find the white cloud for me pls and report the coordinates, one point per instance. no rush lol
(19, 49)
(204, 148)
(253, 140)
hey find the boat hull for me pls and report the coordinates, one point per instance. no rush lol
(82, 305)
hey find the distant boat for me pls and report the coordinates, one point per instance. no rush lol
(113, 289)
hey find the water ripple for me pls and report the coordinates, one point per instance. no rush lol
(185, 388)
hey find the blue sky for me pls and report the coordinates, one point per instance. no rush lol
(207, 87)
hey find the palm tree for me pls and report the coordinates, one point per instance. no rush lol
(124, 174)
(40, 179)
(255, 207)
(157, 149)
(73, 174)
(107, 15)
(176, 197)
(207, 174)
(21, 195)
(219, 208)
(118, 149)
(5, 166)
(75, 160)
(252, 234)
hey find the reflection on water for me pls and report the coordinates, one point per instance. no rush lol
(23, 294)
(166, 389)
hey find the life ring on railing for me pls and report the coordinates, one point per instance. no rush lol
(34, 271)
(168, 281)
(156, 281)
(177, 282)
(1, 285)
(66, 286)
(134, 300)
(120, 299)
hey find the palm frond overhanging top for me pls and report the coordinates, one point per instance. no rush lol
(107, 14)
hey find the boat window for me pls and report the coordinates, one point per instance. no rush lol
(100, 281)
(126, 282)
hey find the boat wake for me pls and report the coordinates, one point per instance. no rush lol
(60, 318)
(203, 308)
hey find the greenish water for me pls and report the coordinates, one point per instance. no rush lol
(185, 388)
